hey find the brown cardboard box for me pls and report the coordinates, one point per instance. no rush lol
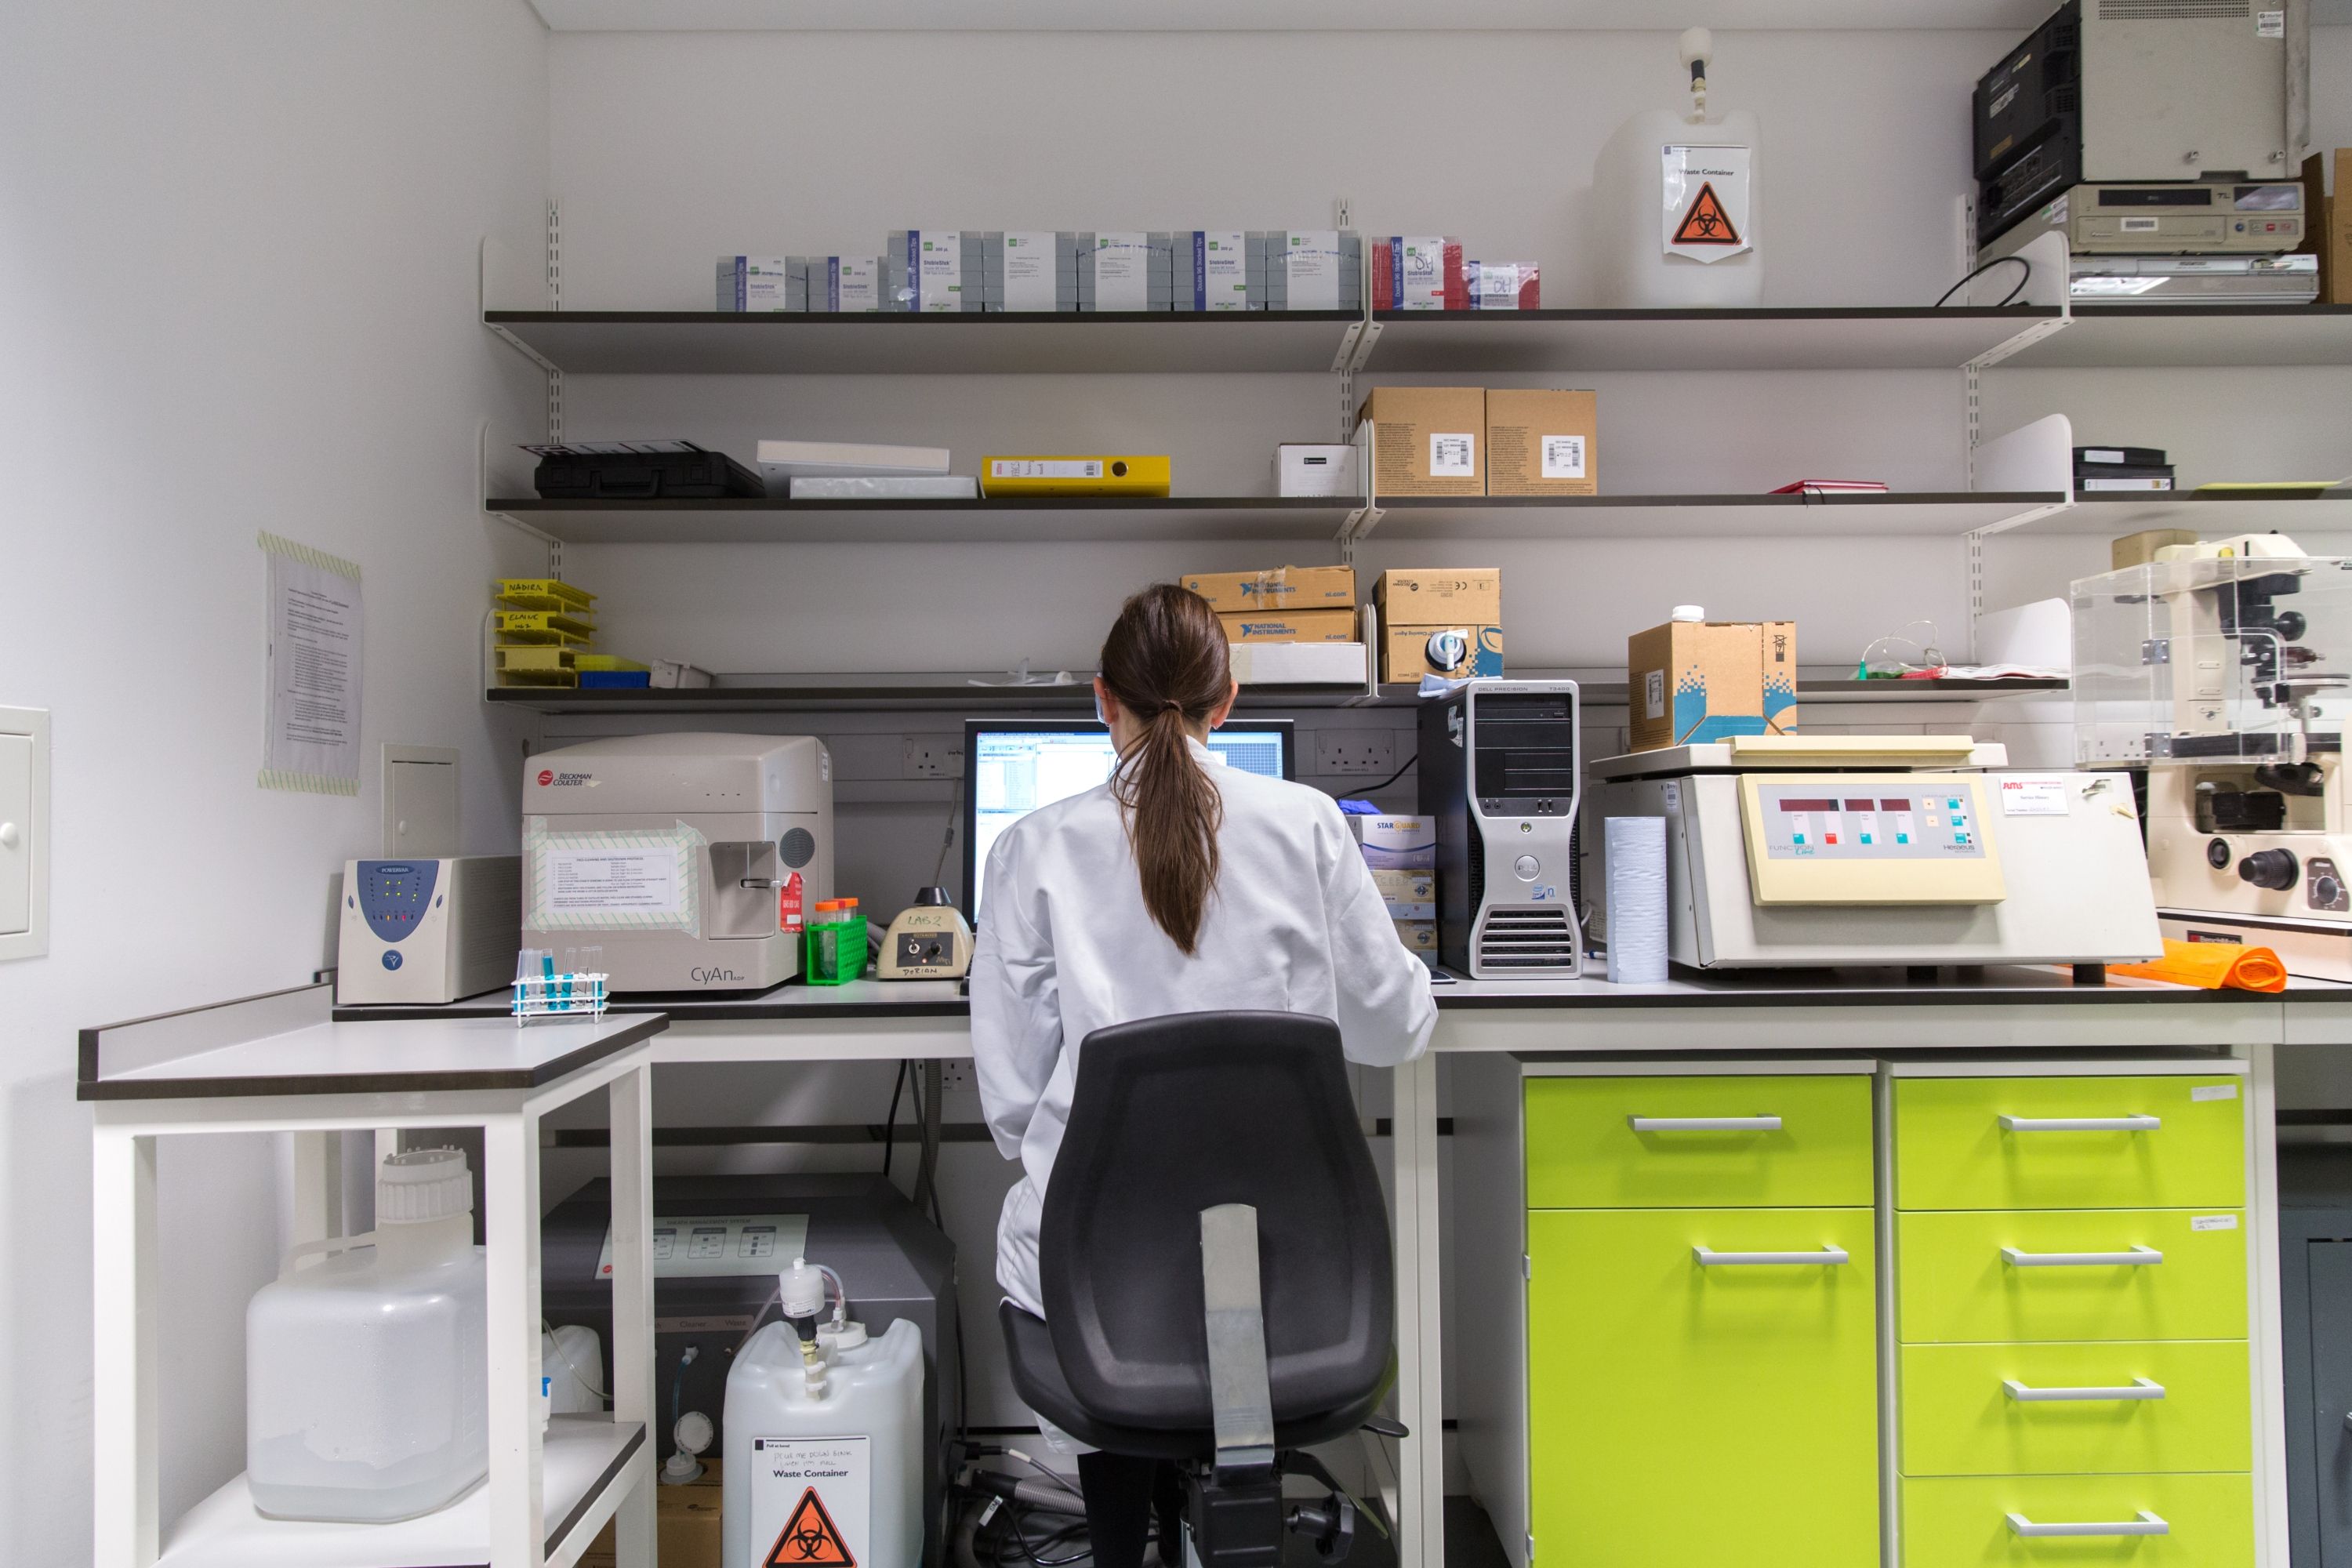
(1295, 626)
(686, 1525)
(1277, 588)
(1541, 443)
(2139, 548)
(1427, 440)
(2335, 264)
(1406, 650)
(1428, 598)
(1707, 680)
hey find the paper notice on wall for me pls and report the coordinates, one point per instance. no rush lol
(311, 709)
(612, 879)
(1704, 216)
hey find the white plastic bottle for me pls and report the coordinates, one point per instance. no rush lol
(366, 1387)
(1676, 205)
(825, 1436)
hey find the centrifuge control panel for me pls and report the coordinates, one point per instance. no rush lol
(1869, 839)
(1808, 822)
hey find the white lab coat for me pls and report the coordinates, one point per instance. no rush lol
(1067, 947)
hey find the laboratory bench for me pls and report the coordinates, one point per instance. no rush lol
(1851, 1047)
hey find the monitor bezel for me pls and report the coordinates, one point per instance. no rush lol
(1287, 728)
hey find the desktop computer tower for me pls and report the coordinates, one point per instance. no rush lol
(1501, 770)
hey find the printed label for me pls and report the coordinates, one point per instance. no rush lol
(1046, 469)
(613, 881)
(1123, 271)
(2204, 1092)
(1311, 268)
(1703, 212)
(1563, 457)
(2270, 23)
(2034, 796)
(1028, 263)
(812, 1502)
(2213, 1221)
(2101, 455)
(1453, 456)
(1421, 264)
(1220, 270)
(854, 283)
(1653, 697)
(935, 265)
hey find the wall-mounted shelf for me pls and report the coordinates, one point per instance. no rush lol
(774, 693)
(677, 342)
(1262, 517)
(2109, 514)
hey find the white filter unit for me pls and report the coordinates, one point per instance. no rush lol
(827, 1469)
(1676, 205)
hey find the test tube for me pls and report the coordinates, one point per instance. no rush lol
(571, 972)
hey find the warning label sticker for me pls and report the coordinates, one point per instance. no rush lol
(813, 1499)
(1704, 206)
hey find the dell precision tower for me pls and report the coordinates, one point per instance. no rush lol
(1499, 774)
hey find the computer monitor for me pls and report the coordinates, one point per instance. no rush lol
(1010, 767)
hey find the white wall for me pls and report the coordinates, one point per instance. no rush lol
(237, 248)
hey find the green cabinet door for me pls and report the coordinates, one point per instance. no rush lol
(2052, 1274)
(1790, 1141)
(1683, 1412)
(2069, 1142)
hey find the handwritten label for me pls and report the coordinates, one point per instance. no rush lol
(2213, 1221)
(2214, 1091)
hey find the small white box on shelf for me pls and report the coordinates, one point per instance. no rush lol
(1307, 468)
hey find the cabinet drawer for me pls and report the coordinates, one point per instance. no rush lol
(1675, 1407)
(2056, 1274)
(2115, 1408)
(2208, 1521)
(2069, 1142)
(1794, 1142)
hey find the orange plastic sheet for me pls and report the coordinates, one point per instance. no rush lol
(2211, 965)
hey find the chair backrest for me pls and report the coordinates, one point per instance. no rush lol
(1174, 1115)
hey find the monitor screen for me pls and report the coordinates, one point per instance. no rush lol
(1012, 768)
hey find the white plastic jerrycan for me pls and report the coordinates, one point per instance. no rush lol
(1676, 205)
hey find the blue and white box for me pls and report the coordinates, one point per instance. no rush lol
(1212, 269)
(754, 283)
(932, 270)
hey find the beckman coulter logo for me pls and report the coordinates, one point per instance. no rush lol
(546, 777)
(550, 777)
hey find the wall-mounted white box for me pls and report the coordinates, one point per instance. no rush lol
(23, 832)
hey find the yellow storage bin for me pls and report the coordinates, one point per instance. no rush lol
(1683, 1412)
(2067, 1409)
(2070, 1142)
(2140, 1521)
(1786, 1141)
(2044, 1275)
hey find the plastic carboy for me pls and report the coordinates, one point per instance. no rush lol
(366, 1390)
(1676, 205)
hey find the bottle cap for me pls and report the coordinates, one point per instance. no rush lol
(422, 1185)
(1689, 613)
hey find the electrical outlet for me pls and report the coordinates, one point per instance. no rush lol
(1355, 751)
(934, 757)
(955, 1077)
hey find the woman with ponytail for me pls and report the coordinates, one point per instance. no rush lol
(1179, 886)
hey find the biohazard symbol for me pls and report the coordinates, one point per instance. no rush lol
(1706, 223)
(810, 1537)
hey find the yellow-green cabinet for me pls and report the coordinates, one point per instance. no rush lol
(1701, 1320)
(2074, 1383)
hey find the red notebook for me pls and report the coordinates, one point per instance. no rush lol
(1805, 486)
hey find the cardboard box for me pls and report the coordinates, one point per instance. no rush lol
(1408, 895)
(1299, 663)
(686, 1526)
(1427, 599)
(2335, 264)
(1427, 440)
(2139, 548)
(1540, 442)
(1693, 681)
(1396, 843)
(1420, 938)
(1276, 588)
(1455, 649)
(1291, 626)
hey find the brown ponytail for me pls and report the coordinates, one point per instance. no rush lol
(1167, 662)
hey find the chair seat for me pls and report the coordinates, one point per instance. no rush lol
(1038, 1376)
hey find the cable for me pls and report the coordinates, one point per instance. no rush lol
(2022, 278)
(1396, 776)
(955, 816)
(927, 1104)
(891, 1123)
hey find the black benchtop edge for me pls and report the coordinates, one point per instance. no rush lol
(1893, 996)
(687, 1012)
(642, 1027)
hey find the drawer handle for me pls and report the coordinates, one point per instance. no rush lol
(2146, 1525)
(2141, 1388)
(1709, 1258)
(2135, 1123)
(1704, 1123)
(2137, 1257)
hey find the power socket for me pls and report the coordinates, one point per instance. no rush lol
(956, 1077)
(934, 757)
(1350, 751)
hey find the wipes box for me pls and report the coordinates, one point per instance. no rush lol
(1694, 681)
(1396, 843)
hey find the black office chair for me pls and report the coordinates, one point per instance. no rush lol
(1215, 1270)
